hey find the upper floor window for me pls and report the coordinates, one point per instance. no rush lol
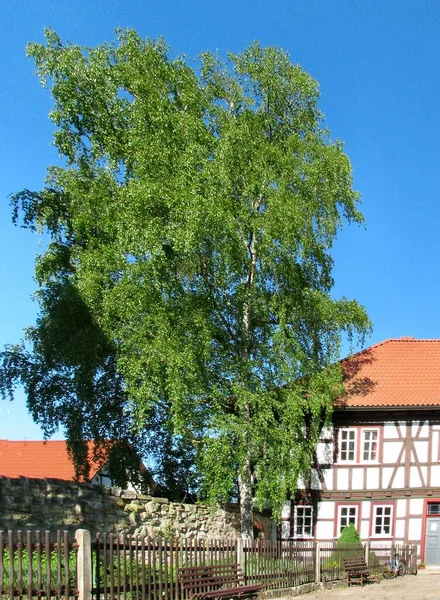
(359, 444)
(348, 445)
(370, 445)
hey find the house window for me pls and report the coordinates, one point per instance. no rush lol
(433, 508)
(303, 521)
(347, 445)
(347, 514)
(296, 521)
(370, 444)
(382, 520)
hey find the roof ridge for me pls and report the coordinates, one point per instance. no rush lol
(383, 342)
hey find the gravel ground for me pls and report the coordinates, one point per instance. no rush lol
(424, 586)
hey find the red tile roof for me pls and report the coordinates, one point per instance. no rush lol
(40, 460)
(401, 372)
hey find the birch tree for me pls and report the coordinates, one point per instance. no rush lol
(192, 223)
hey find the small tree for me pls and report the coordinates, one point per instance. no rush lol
(349, 545)
(349, 537)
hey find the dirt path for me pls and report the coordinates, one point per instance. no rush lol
(424, 586)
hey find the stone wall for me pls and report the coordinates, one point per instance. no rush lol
(57, 504)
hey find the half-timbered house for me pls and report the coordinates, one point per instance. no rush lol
(378, 466)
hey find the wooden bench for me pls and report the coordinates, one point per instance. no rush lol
(215, 581)
(356, 570)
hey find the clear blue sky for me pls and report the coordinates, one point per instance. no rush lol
(378, 65)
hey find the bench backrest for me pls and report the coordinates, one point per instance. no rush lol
(206, 578)
(354, 563)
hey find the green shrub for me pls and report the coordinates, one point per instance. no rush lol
(349, 536)
(349, 545)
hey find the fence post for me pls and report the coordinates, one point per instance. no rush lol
(84, 564)
(367, 553)
(317, 562)
(240, 552)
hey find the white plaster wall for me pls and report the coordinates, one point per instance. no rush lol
(328, 478)
(424, 432)
(373, 478)
(390, 430)
(386, 476)
(414, 428)
(435, 444)
(399, 532)
(324, 453)
(358, 479)
(327, 432)
(325, 530)
(415, 529)
(401, 507)
(402, 426)
(365, 510)
(422, 451)
(285, 529)
(365, 529)
(342, 479)
(399, 479)
(314, 480)
(424, 471)
(414, 478)
(391, 451)
(286, 510)
(416, 506)
(435, 475)
(326, 510)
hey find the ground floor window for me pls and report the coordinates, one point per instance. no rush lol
(303, 521)
(382, 520)
(347, 514)
(296, 521)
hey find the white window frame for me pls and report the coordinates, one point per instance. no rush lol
(382, 507)
(347, 517)
(348, 431)
(366, 442)
(302, 508)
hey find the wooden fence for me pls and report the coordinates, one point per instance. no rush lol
(38, 565)
(279, 564)
(146, 568)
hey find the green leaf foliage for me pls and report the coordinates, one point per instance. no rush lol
(349, 535)
(185, 294)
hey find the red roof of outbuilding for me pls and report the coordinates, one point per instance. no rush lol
(401, 372)
(40, 460)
